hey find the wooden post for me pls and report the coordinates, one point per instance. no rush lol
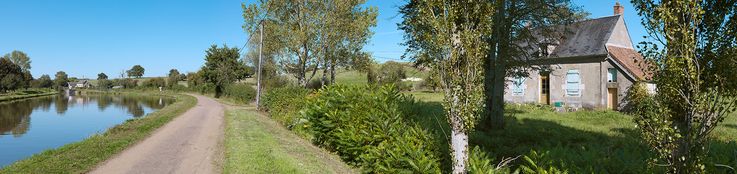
(258, 82)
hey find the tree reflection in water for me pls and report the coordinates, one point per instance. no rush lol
(15, 117)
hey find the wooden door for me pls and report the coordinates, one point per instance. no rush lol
(544, 89)
(612, 99)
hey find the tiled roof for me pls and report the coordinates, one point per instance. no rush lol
(630, 60)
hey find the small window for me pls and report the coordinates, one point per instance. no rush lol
(573, 83)
(518, 88)
(612, 75)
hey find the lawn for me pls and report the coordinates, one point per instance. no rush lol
(581, 142)
(256, 144)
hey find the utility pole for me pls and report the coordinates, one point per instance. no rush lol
(258, 82)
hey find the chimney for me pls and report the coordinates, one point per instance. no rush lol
(618, 9)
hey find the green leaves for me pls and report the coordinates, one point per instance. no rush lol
(221, 66)
(694, 73)
(366, 127)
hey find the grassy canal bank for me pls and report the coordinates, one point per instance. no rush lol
(82, 156)
(24, 94)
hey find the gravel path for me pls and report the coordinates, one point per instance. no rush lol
(188, 144)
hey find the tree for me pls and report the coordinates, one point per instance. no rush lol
(11, 75)
(516, 28)
(19, 58)
(60, 80)
(136, 71)
(221, 66)
(102, 76)
(695, 88)
(173, 77)
(44, 82)
(391, 73)
(449, 36)
(311, 34)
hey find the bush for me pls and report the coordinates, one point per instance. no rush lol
(240, 92)
(365, 126)
(104, 84)
(154, 83)
(126, 83)
(283, 104)
(391, 73)
(274, 82)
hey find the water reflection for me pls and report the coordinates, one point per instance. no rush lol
(15, 117)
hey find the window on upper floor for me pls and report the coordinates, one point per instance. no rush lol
(573, 83)
(611, 75)
(518, 86)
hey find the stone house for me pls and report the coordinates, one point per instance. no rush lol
(591, 66)
(79, 84)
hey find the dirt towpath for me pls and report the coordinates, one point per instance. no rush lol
(188, 144)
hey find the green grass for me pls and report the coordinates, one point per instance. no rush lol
(81, 157)
(24, 94)
(582, 142)
(256, 144)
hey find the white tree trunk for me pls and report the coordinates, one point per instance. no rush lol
(459, 145)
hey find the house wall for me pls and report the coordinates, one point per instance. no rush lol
(620, 36)
(593, 87)
(623, 83)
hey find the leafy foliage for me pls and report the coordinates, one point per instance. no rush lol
(102, 76)
(60, 80)
(365, 126)
(448, 35)
(391, 73)
(221, 65)
(283, 104)
(312, 34)
(19, 58)
(43, 82)
(173, 77)
(154, 83)
(11, 76)
(136, 71)
(694, 94)
(242, 93)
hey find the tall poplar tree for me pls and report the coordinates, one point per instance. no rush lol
(449, 36)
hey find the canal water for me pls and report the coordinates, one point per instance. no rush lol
(31, 126)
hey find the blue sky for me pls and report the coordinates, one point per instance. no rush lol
(86, 37)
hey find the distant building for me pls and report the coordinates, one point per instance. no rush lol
(592, 65)
(79, 84)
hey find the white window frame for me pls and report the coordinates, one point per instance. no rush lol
(573, 83)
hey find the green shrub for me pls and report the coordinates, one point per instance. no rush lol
(154, 83)
(480, 162)
(240, 92)
(366, 127)
(391, 72)
(283, 104)
(535, 163)
(126, 83)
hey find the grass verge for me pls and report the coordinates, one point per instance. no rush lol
(595, 141)
(24, 94)
(81, 157)
(256, 144)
